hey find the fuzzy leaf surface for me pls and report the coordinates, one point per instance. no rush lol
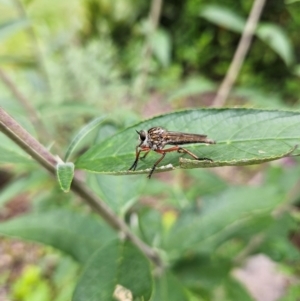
(117, 263)
(73, 233)
(243, 137)
(221, 217)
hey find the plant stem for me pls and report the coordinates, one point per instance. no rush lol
(153, 21)
(39, 153)
(240, 54)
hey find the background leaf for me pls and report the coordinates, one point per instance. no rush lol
(168, 288)
(83, 132)
(220, 217)
(192, 86)
(73, 233)
(9, 28)
(12, 153)
(243, 136)
(271, 34)
(274, 36)
(202, 273)
(236, 291)
(119, 192)
(223, 17)
(161, 45)
(18, 186)
(115, 263)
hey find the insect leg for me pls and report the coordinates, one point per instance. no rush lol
(163, 152)
(134, 165)
(137, 155)
(183, 150)
(145, 155)
(156, 163)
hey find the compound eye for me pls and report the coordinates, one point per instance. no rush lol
(142, 136)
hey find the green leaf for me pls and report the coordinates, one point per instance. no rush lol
(119, 192)
(271, 34)
(83, 132)
(65, 175)
(11, 152)
(134, 271)
(168, 288)
(115, 263)
(223, 17)
(274, 36)
(75, 234)
(278, 244)
(210, 183)
(7, 29)
(192, 86)
(243, 137)
(11, 156)
(235, 291)
(67, 111)
(161, 45)
(203, 272)
(260, 99)
(19, 185)
(221, 217)
(151, 227)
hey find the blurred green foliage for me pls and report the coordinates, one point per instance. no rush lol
(78, 60)
(30, 286)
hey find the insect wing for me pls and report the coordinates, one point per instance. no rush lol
(177, 138)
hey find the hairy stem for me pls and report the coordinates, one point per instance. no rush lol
(240, 54)
(153, 20)
(39, 153)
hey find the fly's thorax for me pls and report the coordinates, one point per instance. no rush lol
(156, 138)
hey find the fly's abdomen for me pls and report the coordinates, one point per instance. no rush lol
(177, 138)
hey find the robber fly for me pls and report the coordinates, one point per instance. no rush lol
(156, 138)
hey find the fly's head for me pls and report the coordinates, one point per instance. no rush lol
(143, 137)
